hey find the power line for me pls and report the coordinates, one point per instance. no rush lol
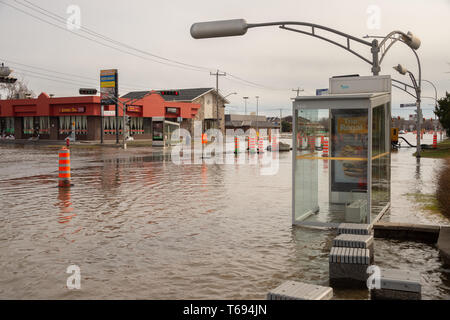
(13, 63)
(90, 31)
(94, 40)
(178, 64)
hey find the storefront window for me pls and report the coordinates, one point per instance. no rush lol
(136, 125)
(7, 125)
(28, 125)
(66, 123)
(44, 125)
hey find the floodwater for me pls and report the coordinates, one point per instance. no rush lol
(141, 227)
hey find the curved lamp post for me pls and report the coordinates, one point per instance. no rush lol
(239, 27)
(416, 85)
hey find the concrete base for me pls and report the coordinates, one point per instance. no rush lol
(293, 290)
(348, 275)
(443, 245)
(387, 294)
(398, 284)
(348, 267)
(407, 231)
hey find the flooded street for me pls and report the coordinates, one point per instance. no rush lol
(142, 227)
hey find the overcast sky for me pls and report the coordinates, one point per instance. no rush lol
(275, 59)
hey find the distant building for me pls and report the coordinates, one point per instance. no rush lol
(274, 120)
(245, 122)
(207, 98)
(52, 118)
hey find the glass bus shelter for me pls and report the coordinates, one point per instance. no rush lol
(341, 158)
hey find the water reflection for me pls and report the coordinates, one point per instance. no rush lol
(65, 206)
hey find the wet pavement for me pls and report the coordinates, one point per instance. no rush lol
(142, 227)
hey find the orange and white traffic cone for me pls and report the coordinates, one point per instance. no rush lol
(64, 168)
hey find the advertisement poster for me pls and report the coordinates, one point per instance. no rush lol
(158, 131)
(349, 146)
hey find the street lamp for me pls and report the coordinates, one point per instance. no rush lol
(230, 94)
(435, 100)
(245, 101)
(417, 87)
(239, 27)
(257, 107)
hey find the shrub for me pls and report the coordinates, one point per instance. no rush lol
(443, 189)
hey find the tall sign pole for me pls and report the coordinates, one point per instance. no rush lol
(109, 87)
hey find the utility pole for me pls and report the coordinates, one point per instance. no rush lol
(245, 100)
(298, 90)
(281, 119)
(217, 74)
(257, 107)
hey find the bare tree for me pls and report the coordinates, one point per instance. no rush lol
(17, 90)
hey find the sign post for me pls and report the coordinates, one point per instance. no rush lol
(109, 87)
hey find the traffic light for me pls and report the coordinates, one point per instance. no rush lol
(7, 80)
(88, 91)
(169, 93)
(128, 121)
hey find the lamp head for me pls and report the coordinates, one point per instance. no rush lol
(222, 28)
(411, 40)
(400, 69)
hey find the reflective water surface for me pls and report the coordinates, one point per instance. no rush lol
(141, 227)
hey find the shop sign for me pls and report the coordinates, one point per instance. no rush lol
(171, 110)
(108, 86)
(72, 109)
(133, 109)
(109, 113)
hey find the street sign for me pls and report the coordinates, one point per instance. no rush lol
(406, 105)
(321, 92)
(108, 86)
(88, 91)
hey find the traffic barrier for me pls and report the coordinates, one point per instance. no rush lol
(64, 167)
(435, 140)
(325, 148)
(252, 144)
(274, 146)
(312, 143)
(260, 145)
(236, 145)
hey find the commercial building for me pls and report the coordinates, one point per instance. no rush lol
(53, 118)
(245, 122)
(212, 106)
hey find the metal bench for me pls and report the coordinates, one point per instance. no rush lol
(354, 228)
(355, 241)
(293, 290)
(348, 266)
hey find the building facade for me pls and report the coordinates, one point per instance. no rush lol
(245, 122)
(55, 118)
(212, 106)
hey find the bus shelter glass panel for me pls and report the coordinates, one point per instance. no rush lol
(169, 137)
(380, 159)
(331, 166)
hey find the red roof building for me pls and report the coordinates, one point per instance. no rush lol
(52, 118)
